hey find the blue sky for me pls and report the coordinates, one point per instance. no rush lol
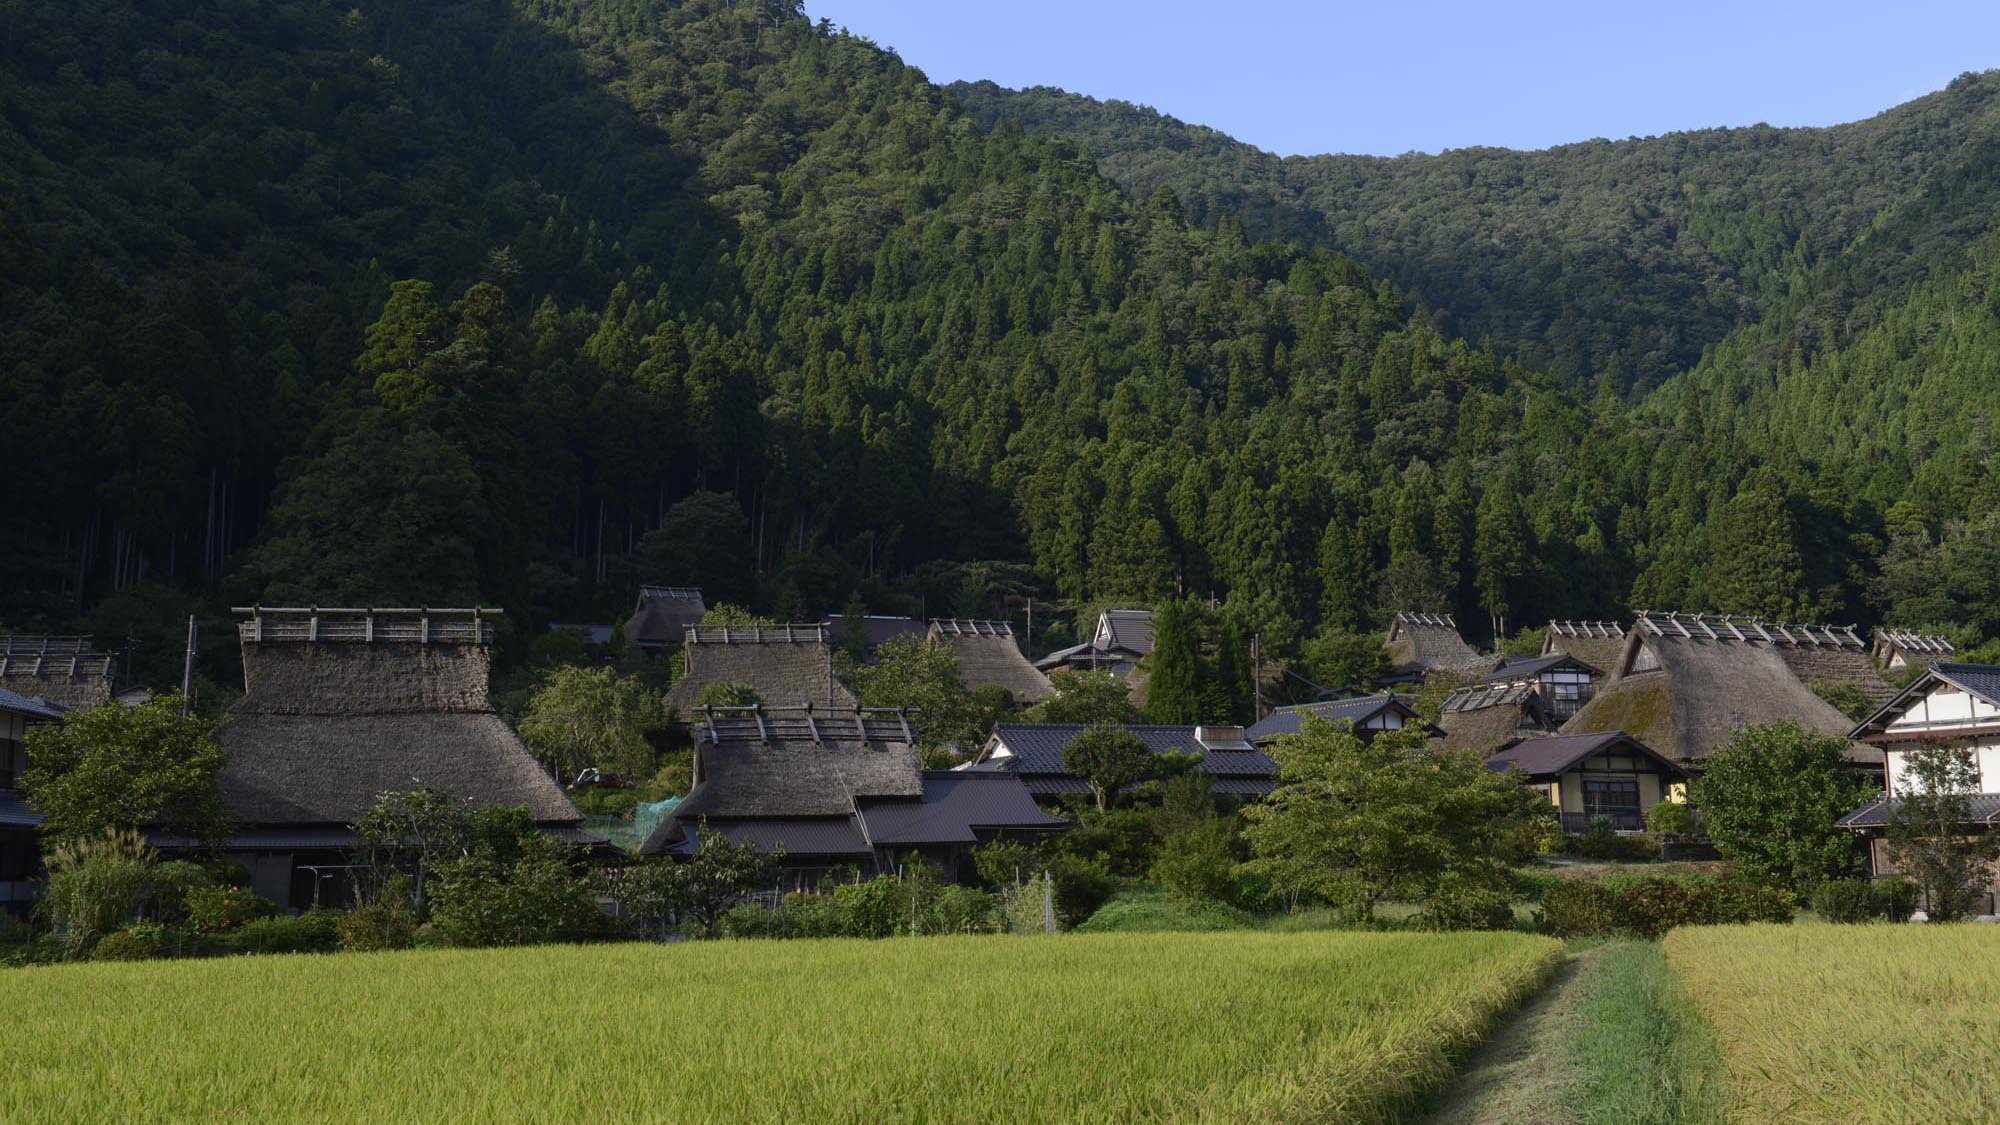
(1300, 77)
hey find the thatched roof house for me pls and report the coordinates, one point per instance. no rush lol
(833, 790)
(1684, 684)
(1488, 716)
(1429, 642)
(341, 705)
(1899, 649)
(987, 654)
(662, 616)
(65, 671)
(787, 666)
(1596, 643)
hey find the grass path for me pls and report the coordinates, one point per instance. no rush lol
(1520, 1074)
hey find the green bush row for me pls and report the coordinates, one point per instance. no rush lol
(1853, 900)
(1650, 906)
(878, 908)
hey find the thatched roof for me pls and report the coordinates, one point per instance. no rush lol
(987, 654)
(62, 670)
(1486, 717)
(778, 763)
(1683, 686)
(1596, 643)
(1429, 642)
(787, 666)
(662, 616)
(330, 718)
(1896, 649)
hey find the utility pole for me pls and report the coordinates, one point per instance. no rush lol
(187, 669)
(1256, 677)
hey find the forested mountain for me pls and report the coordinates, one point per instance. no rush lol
(1621, 258)
(526, 301)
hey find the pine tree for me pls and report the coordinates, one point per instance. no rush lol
(1174, 682)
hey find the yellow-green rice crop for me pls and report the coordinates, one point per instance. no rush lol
(1080, 1027)
(1850, 1023)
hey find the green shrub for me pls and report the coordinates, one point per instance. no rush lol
(1141, 911)
(1461, 905)
(1124, 840)
(1081, 886)
(1577, 908)
(1741, 901)
(877, 908)
(139, 942)
(1198, 864)
(1531, 884)
(173, 881)
(954, 909)
(1603, 842)
(1843, 900)
(1894, 898)
(387, 924)
(214, 909)
(315, 931)
(1670, 818)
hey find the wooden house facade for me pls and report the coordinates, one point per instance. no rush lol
(20, 843)
(1951, 704)
(1119, 645)
(1590, 777)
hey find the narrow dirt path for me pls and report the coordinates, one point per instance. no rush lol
(1517, 1076)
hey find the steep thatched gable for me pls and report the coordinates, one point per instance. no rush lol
(65, 671)
(662, 616)
(1429, 642)
(1899, 649)
(1488, 716)
(987, 654)
(1596, 643)
(787, 666)
(341, 705)
(1684, 685)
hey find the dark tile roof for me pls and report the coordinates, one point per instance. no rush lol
(14, 811)
(1521, 668)
(35, 708)
(878, 629)
(1079, 656)
(1288, 720)
(1878, 812)
(1982, 680)
(1128, 629)
(809, 836)
(1038, 749)
(955, 807)
(1558, 754)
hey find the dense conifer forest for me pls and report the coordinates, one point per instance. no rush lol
(525, 302)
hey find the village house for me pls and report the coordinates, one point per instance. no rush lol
(839, 793)
(1589, 777)
(662, 616)
(341, 705)
(1368, 715)
(1899, 650)
(20, 846)
(65, 671)
(1420, 644)
(1522, 698)
(1033, 752)
(1684, 684)
(877, 629)
(786, 665)
(987, 655)
(1596, 643)
(1956, 705)
(1123, 639)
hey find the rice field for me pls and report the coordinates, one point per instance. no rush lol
(1850, 1023)
(1345, 1026)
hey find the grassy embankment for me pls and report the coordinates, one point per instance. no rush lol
(1335, 1026)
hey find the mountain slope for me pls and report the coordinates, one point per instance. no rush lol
(1624, 258)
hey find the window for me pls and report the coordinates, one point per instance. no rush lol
(1604, 796)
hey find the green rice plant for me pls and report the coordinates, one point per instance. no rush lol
(1078, 1027)
(1850, 1023)
(1640, 1051)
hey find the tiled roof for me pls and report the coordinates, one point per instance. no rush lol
(956, 804)
(1038, 749)
(1129, 629)
(1878, 812)
(36, 708)
(14, 811)
(1547, 757)
(1523, 668)
(1982, 680)
(1081, 656)
(1288, 720)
